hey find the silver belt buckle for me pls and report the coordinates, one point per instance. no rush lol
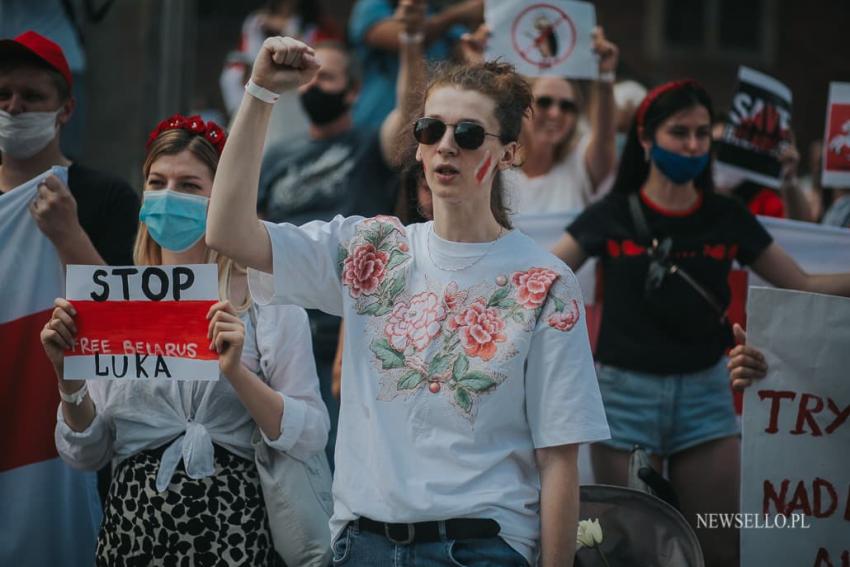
(411, 533)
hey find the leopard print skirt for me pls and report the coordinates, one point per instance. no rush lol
(217, 520)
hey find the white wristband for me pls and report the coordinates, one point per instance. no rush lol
(261, 93)
(407, 38)
(77, 397)
(607, 76)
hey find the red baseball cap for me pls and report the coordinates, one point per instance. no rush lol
(34, 43)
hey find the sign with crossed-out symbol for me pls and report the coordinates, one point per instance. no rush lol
(544, 38)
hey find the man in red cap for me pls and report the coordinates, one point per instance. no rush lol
(92, 219)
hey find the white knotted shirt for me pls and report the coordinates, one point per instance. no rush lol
(189, 416)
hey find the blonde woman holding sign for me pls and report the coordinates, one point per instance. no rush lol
(468, 381)
(185, 486)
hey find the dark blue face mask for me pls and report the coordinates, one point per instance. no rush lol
(678, 168)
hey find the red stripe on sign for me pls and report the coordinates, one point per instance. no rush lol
(28, 393)
(167, 328)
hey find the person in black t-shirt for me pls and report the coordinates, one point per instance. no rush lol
(666, 242)
(92, 219)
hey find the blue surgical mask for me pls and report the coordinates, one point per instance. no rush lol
(176, 221)
(678, 168)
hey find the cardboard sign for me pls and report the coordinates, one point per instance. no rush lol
(835, 165)
(550, 37)
(757, 129)
(796, 431)
(142, 322)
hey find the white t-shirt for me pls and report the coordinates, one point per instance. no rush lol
(134, 416)
(566, 187)
(451, 379)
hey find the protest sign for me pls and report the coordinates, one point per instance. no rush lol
(796, 432)
(140, 322)
(835, 170)
(549, 37)
(756, 130)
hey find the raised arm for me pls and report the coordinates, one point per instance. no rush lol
(411, 76)
(385, 34)
(233, 228)
(601, 153)
(796, 206)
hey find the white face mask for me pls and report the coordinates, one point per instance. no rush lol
(24, 135)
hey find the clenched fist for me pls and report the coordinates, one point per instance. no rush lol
(283, 64)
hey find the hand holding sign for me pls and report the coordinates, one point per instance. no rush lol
(227, 336)
(59, 333)
(745, 362)
(609, 54)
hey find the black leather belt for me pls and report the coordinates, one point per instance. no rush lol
(428, 532)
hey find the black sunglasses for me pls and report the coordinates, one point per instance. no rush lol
(566, 105)
(468, 135)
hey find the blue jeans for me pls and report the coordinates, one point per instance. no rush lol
(667, 414)
(355, 548)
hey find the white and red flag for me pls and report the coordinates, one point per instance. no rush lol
(49, 513)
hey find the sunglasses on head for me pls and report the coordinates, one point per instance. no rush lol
(468, 135)
(565, 104)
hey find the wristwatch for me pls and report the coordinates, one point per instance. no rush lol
(75, 398)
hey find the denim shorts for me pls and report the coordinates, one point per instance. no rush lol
(666, 414)
(356, 548)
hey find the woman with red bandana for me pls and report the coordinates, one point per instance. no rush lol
(467, 378)
(666, 243)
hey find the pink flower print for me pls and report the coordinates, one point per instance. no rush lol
(532, 286)
(479, 328)
(364, 270)
(416, 323)
(565, 320)
(452, 297)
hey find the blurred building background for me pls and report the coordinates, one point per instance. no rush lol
(149, 58)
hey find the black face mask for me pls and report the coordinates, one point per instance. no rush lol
(323, 107)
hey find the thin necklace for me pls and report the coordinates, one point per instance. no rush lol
(458, 268)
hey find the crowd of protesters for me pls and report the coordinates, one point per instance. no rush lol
(357, 182)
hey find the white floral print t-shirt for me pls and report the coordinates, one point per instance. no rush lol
(460, 359)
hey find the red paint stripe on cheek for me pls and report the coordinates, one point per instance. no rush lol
(484, 169)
